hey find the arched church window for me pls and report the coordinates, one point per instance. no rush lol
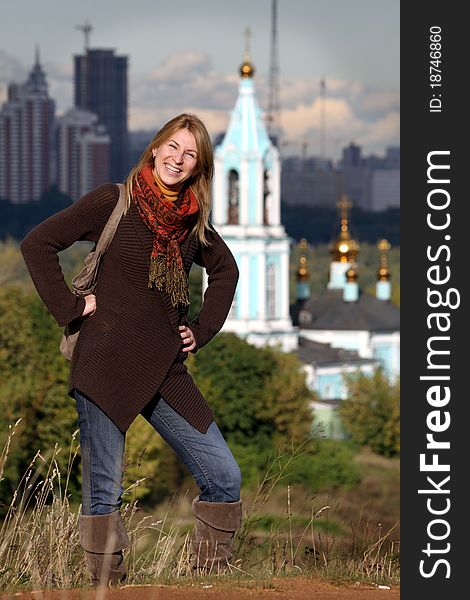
(271, 292)
(233, 197)
(266, 195)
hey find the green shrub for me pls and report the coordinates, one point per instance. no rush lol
(328, 464)
(371, 413)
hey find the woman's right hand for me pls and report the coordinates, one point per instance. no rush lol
(90, 305)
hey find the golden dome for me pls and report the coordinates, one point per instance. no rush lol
(302, 269)
(383, 274)
(351, 275)
(247, 70)
(344, 249)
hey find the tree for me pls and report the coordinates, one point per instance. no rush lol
(258, 394)
(259, 397)
(371, 413)
(33, 384)
(149, 458)
(12, 266)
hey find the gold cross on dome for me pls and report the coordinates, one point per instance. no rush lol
(344, 204)
(248, 35)
(384, 245)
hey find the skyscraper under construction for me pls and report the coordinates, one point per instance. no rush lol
(101, 87)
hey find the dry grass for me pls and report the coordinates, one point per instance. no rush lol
(315, 534)
(39, 539)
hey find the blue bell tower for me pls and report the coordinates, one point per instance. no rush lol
(246, 212)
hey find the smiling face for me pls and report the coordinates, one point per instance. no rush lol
(176, 159)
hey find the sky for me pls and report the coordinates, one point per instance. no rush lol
(185, 56)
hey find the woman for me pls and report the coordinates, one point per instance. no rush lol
(129, 358)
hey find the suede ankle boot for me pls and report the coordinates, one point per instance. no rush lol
(103, 537)
(213, 535)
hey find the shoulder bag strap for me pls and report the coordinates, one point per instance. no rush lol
(110, 228)
(85, 282)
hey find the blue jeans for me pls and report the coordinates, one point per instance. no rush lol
(102, 449)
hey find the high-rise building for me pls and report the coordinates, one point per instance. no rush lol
(352, 156)
(26, 138)
(101, 87)
(308, 182)
(371, 182)
(385, 189)
(392, 157)
(82, 153)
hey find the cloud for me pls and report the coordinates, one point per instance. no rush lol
(184, 82)
(188, 81)
(335, 122)
(385, 128)
(11, 70)
(182, 79)
(298, 91)
(60, 81)
(183, 66)
(381, 100)
(335, 111)
(292, 89)
(216, 121)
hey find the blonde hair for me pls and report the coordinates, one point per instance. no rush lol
(201, 178)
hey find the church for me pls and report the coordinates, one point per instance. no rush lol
(247, 214)
(334, 334)
(342, 329)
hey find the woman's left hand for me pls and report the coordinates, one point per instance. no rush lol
(188, 338)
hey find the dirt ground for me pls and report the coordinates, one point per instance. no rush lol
(296, 588)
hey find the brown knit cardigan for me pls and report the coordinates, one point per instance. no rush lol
(129, 350)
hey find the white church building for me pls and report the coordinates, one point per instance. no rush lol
(247, 214)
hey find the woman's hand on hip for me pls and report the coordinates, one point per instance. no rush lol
(188, 338)
(90, 305)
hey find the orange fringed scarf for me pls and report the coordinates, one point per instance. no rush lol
(170, 221)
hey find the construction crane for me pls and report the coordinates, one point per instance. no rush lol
(87, 29)
(273, 114)
(322, 117)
